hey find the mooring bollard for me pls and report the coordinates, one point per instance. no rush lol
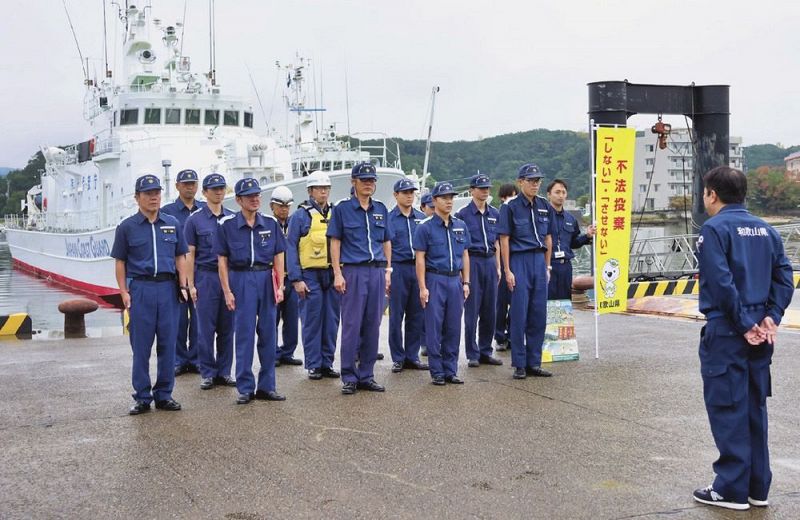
(581, 284)
(74, 311)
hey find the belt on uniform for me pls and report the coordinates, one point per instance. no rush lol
(445, 273)
(559, 260)
(746, 308)
(316, 269)
(256, 267)
(207, 268)
(405, 262)
(535, 250)
(482, 254)
(160, 277)
(368, 264)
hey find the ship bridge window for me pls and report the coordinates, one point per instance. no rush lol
(248, 119)
(231, 118)
(172, 116)
(211, 117)
(192, 116)
(129, 116)
(152, 116)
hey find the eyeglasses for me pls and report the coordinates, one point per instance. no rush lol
(533, 180)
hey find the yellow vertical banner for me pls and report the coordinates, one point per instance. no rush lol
(613, 199)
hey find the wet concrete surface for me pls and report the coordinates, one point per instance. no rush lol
(625, 436)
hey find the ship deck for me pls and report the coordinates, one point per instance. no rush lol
(623, 436)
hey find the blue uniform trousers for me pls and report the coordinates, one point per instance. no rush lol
(480, 306)
(443, 323)
(186, 351)
(502, 321)
(560, 287)
(736, 384)
(528, 308)
(319, 315)
(255, 311)
(215, 326)
(362, 310)
(288, 312)
(404, 302)
(153, 314)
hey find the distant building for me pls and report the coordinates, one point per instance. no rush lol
(793, 165)
(670, 169)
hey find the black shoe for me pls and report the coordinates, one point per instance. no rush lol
(224, 381)
(370, 386)
(472, 363)
(315, 374)
(330, 372)
(438, 381)
(423, 351)
(169, 405)
(519, 373)
(454, 380)
(270, 395)
(380, 356)
(489, 360)
(207, 383)
(501, 346)
(277, 361)
(415, 365)
(348, 388)
(538, 372)
(138, 408)
(194, 369)
(712, 498)
(291, 361)
(181, 369)
(397, 367)
(244, 398)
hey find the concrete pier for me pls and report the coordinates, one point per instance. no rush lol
(625, 436)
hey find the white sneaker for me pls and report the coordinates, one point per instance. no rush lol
(757, 503)
(712, 498)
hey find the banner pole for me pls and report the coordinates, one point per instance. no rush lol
(593, 163)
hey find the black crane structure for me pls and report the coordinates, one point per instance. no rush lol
(708, 106)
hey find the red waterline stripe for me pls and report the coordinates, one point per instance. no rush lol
(108, 294)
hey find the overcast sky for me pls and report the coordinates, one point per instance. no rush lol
(502, 66)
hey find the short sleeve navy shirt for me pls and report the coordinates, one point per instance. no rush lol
(362, 232)
(526, 224)
(149, 248)
(443, 245)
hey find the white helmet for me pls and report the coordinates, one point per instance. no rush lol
(318, 178)
(282, 195)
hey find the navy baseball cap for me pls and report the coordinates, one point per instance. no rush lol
(427, 200)
(247, 186)
(443, 188)
(363, 170)
(147, 183)
(186, 176)
(529, 171)
(405, 185)
(214, 180)
(480, 180)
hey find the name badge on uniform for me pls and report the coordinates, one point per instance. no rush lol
(168, 230)
(491, 220)
(264, 235)
(378, 216)
(559, 254)
(540, 210)
(458, 232)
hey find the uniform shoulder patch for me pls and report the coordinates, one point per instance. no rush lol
(198, 210)
(226, 218)
(342, 200)
(426, 219)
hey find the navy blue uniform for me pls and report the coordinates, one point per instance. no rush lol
(319, 310)
(444, 247)
(250, 252)
(215, 321)
(362, 234)
(149, 251)
(404, 297)
(186, 348)
(744, 277)
(567, 237)
(527, 226)
(483, 280)
(287, 312)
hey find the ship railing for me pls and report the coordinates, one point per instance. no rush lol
(380, 153)
(674, 256)
(109, 145)
(71, 221)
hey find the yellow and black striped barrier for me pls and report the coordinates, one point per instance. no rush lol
(18, 325)
(674, 287)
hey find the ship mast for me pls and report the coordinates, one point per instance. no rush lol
(428, 143)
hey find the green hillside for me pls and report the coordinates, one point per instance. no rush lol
(766, 155)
